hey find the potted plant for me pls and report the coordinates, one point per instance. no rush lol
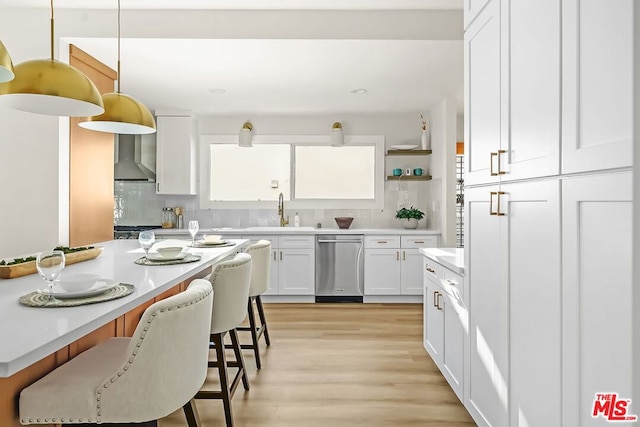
(409, 217)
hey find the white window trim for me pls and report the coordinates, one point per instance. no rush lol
(376, 203)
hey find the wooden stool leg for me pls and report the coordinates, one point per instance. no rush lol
(254, 334)
(238, 353)
(191, 413)
(218, 341)
(263, 319)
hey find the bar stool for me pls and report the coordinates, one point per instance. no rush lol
(260, 275)
(132, 380)
(230, 280)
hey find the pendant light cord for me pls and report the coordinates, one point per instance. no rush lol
(118, 46)
(51, 30)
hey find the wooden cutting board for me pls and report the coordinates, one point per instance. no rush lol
(26, 268)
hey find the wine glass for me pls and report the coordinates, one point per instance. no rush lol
(193, 229)
(146, 239)
(50, 265)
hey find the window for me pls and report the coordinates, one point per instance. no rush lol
(305, 169)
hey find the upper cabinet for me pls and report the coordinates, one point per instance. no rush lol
(512, 87)
(597, 87)
(176, 155)
(471, 10)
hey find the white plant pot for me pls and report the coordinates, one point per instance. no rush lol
(409, 223)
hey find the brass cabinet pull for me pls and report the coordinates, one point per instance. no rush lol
(450, 282)
(499, 193)
(382, 241)
(274, 255)
(499, 154)
(431, 270)
(491, 164)
(397, 255)
(280, 255)
(157, 186)
(404, 256)
(438, 306)
(491, 194)
(435, 299)
(418, 241)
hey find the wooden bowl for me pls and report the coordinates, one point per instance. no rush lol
(344, 222)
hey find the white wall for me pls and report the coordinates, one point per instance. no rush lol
(442, 187)
(34, 192)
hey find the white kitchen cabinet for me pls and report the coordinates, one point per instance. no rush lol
(597, 293)
(382, 271)
(513, 289)
(597, 55)
(512, 73)
(482, 94)
(393, 265)
(175, 155)
(445, 320)
(292, 264)
(471, 10)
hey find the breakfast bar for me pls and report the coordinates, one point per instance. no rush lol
(37, 340)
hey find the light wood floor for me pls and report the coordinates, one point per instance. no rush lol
(335, 365)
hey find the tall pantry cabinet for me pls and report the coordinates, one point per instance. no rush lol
(548, 134)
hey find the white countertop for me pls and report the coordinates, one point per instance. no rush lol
(296, 230)
(451, 258)
(29, 334)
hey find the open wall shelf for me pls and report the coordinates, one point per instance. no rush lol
(408, 152)
(409, 178)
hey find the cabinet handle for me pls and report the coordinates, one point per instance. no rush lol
(499, 154)
(404, 256)
(499, 193)
(491, 155)
(397, 255)
(274, 255)
(431, 270)
(451, 283)
(280, 255)
(382, 241)
(418, 241)
(157, 186)
(435, 299)
(438, 306)
(491, 194)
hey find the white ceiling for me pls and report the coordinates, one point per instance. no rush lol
(283, 76)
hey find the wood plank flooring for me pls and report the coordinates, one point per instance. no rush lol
(339, 365)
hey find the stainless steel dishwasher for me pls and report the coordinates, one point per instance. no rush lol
(339, 268)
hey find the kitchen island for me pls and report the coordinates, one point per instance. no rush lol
(37, 340)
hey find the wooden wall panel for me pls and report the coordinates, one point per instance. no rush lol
(90, 165)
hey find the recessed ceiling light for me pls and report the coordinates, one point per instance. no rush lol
(217, 91)
(358, 91)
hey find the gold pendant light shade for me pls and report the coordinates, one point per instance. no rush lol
(123, 114)
(48, 86)
(6, 66)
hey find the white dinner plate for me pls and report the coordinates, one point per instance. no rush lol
(216, 243)
(99, 287)
(154, 256)
(404, 147)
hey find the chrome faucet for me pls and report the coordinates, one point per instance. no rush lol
(283, 221)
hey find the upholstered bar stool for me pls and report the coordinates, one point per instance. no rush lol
(230, 281)
(260, 275)
(132, 380)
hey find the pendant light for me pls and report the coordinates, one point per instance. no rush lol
(48, 86)
(337, 137)
(6, 66)
(246, 135)
(122, 113)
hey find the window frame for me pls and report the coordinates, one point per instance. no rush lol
(305, 140)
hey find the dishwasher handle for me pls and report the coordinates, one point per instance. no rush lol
(339, 241)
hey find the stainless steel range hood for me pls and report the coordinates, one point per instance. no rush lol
(135, 158)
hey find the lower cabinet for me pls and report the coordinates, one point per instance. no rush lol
(292, 264)
(393, 265)
(445, 322)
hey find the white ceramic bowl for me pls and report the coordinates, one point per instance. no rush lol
(212, 238)
(77, 282)
(169, 252)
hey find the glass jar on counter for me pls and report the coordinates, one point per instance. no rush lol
(168, 218)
